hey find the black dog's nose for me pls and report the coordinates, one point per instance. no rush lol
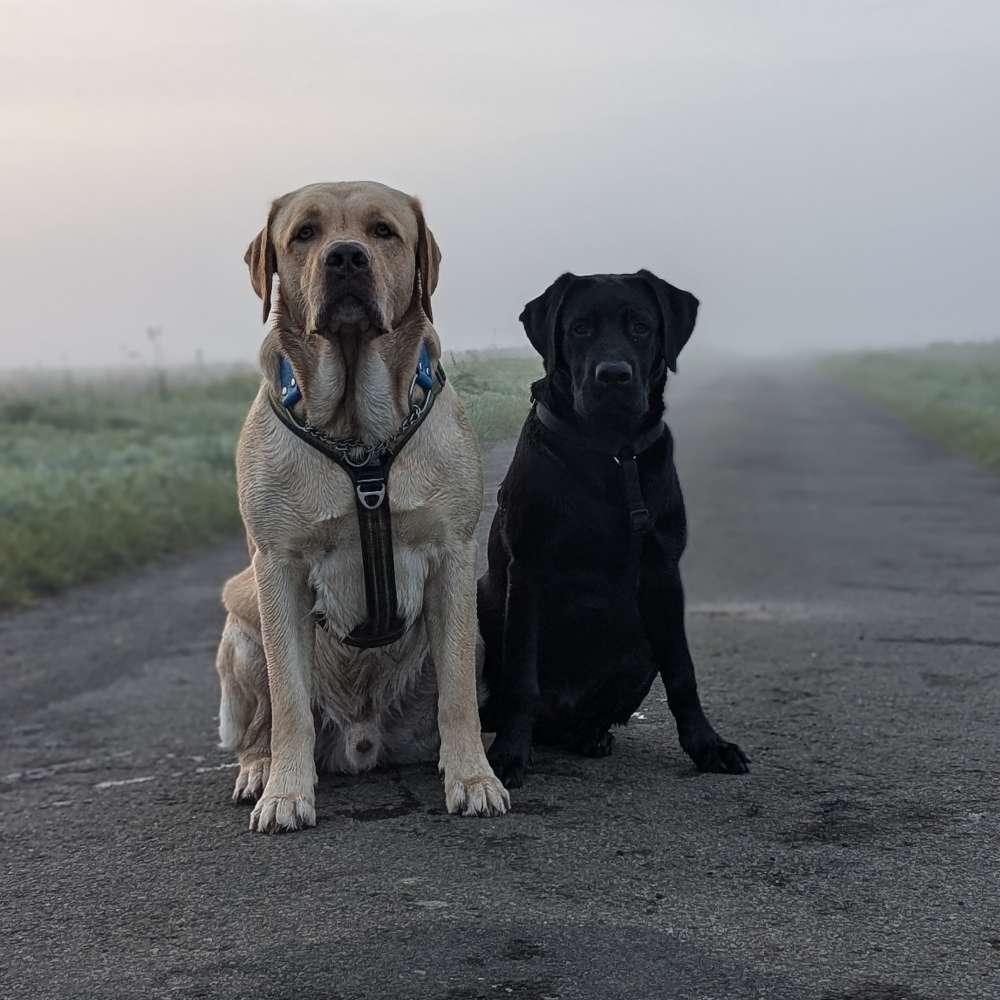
(347, 257)
(614, 373)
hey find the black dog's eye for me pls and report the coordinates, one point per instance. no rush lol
(580, 329)
(383, 230)
(640, 329)
(305, 233)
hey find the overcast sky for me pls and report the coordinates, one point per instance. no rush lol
(818, 172)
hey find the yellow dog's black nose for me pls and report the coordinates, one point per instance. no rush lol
(347, 257)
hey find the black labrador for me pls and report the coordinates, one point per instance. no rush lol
(582, 604)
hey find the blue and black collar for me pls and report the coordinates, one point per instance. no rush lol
(292, 394)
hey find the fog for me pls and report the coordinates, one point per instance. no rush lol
(821, 174)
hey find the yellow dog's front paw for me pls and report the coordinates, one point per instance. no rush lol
(478, 795)
(276, 813)
(252, 779)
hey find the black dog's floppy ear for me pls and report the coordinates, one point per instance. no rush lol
(679, 310)
(539, 318)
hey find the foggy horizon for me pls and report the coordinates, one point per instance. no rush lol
(822, 176)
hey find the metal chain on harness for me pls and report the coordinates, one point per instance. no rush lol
(356, 453)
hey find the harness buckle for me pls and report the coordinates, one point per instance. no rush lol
(639, 519)
(371, 492)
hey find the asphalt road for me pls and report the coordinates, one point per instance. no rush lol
(844, 589)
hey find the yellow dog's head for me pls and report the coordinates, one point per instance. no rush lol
(350, 255)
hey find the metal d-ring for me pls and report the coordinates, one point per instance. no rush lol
(369, 454)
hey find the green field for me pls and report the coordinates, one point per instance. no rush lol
(950, 391)
(92, 482)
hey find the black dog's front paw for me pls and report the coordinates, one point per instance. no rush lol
(710, 752)
(509, 757)
(595, 746)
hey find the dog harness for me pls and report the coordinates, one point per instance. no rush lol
(625, 457)
(368, 467)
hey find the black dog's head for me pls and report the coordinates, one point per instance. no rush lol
(607, 341)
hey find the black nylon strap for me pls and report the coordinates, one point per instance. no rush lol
(638, 514)
(371, 495)
(383, 624)
(569, 433)
(626, 457)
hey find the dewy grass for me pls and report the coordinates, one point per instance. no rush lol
(950, 391)
(96, 479)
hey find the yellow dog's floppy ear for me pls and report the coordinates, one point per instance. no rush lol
(428, 261)
(540, 318)
(262, 261)
(678, 309)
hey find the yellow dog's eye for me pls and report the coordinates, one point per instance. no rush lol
(383, 230)
(304, 233)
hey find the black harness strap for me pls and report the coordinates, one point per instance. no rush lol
(638, 514)
(383, 624)
(368, 467)
(625, 457)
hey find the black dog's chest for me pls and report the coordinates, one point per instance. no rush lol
(602, 551)
(589, 536)
(591, 561)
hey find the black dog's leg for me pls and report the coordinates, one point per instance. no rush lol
(519, 695)
(661, 604)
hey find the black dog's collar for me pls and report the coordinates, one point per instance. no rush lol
(625, 456)
(569, 433)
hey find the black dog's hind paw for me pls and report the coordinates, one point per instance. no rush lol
(599, 746)
(509, 760)
(716, 755)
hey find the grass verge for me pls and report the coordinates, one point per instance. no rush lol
(950, 391)
(94, 481)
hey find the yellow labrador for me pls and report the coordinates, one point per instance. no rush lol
(356, 268)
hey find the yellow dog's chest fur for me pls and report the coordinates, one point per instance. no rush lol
(384, 698)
